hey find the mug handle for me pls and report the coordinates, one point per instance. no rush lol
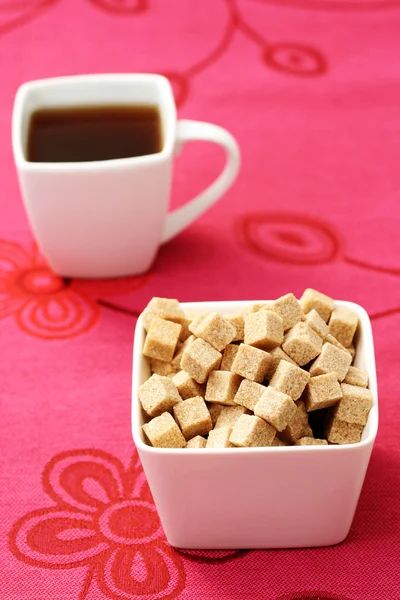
(199, 131)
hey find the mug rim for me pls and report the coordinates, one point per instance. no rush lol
(30, 87)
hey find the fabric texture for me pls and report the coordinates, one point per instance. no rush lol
(310, 89)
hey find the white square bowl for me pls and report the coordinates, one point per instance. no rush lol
(275, 497)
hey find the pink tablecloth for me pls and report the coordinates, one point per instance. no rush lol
(311, 90)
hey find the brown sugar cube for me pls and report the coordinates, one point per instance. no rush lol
(308, 432)
(185, 332)
(229, 415)
(186, 386)
(197, 320)
(251, 431)
(249, 394)
(185, 321)
(355, 404)
(193, 417)
(219, 438)
(297, 425)
(215, 330)
(343, 325)
(199, 359)
(332, 340)
(263, 329)
(160, 367)
(214, 410)
(278, 442)
(253, 308)
(157, 395)
(180, 349)
(251, 363)
(161, 339)
(331, 360)
(310, 441)
(176, 361)
(196, 442)
(322, 391)
(163, 308)
(237, 320)
(163, 432)
(351, 349)
(290, 379)
(340, 432)
(277, 354)
(302, 344)
(317, 323)
(323, 304)
(259, 306)
(289, 309)
(275, 407)
(222, 387)
(356, 377)
(228, 357)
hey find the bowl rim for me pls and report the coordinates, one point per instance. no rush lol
(233, 306)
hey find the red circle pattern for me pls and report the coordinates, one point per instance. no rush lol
(288, 237)
(295, 59)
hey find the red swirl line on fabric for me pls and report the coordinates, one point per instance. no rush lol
(377, 268)
(87, 582)
(123, 7)
(244, 26)
(339, 5)
(290, 58)
(217, 52)
(25, 13)
(385, 313)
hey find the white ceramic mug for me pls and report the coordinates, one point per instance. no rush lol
(108, 218)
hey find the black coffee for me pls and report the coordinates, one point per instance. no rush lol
(89, 133)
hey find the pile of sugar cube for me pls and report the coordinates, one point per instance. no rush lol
(276, 374)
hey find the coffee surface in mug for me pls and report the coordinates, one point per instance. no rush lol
(88, 133)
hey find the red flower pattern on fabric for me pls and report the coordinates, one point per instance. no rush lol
(104, 518)
(43, 304)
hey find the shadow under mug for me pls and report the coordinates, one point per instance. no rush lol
(108, 218)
